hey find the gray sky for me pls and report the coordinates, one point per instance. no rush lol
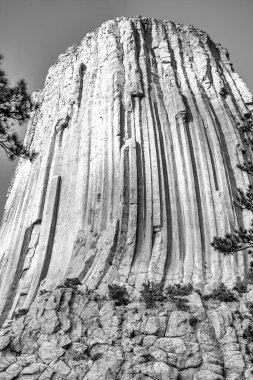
(34, 32)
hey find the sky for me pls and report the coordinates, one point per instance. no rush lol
(34, 32)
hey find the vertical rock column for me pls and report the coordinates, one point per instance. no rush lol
(136, 168)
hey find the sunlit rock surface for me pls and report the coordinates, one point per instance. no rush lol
(136, 168)
(72, 334)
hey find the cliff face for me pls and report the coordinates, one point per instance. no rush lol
(137, 148)
(136, 170)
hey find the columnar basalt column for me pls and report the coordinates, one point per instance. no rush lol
(136, 168)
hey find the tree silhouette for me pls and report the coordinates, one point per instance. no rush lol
(15, 107)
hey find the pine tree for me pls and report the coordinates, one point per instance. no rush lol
(15, 106)
(241, 238)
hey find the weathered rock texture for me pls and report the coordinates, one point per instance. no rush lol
(68, 334)
(137, 142)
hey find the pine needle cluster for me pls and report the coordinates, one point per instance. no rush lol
(15, 108)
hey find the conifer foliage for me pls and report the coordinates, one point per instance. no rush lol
(15, 106)
(241, 238)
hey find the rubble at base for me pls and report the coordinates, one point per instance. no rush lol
(72, 334)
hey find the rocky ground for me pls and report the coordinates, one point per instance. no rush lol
(72, 334)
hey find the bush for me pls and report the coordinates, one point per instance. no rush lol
(119, 294)
(240, 286)
(178, 290)
(174, 293)
(181, 304)
(222, 293)
(152, 293)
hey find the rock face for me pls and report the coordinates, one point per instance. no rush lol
(136, 170)
(71, 334)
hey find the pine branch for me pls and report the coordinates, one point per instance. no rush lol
(15, 107)
(246, 167)
(233, 242)
(244, 200)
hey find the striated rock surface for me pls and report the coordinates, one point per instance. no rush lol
(136, 135)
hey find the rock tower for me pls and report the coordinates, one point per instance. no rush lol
(137, 147)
